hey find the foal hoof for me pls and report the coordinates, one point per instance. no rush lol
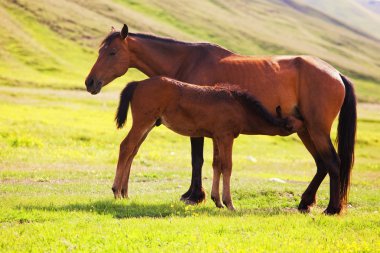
(217, 202)
(116, 193)
(124, 193)
(230, 206)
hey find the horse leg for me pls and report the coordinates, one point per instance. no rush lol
(127, 147)
(125, 177)
(330, 160)
(196, 193)
(215, 195)
(308, 198)
(225, 152)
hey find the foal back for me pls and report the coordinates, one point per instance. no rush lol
(202, 111)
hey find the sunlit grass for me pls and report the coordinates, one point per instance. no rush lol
(57, 161)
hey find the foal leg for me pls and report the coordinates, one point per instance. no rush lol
(127, 148)
(308, 198)
(216, 165)
(195, 194)
(330, 160)
(225, 151)
(125, 177)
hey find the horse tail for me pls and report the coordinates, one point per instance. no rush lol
(252, 104)
(125, 98)
(346, 138)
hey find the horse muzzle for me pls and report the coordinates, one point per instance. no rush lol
(93, 86)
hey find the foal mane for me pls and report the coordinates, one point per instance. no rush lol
(250, 103)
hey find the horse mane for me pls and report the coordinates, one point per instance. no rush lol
(160, 39)
(107, 40)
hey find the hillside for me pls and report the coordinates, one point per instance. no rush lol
(363, 15)
(54, 43)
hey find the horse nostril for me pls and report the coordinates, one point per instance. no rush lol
(89, 82)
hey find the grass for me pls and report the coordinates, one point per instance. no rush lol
(56, 177)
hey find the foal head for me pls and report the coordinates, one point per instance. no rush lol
(113, 61)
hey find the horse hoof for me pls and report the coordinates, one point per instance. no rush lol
(124, 193)
(303, 208)
(217, 202)
(196, 197)
(332, 211)
(116, 193)
(229, 205)
(231, 208)
(186, 195)
(306, 204)
(189, 202)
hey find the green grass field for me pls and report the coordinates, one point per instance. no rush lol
(58, 155)
(59, 144)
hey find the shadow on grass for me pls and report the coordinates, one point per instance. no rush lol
(120, 210)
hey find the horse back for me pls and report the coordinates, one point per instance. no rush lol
(286, 81)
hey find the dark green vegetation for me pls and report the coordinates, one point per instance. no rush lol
(58, 144)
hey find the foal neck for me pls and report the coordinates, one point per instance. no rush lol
(156, 56)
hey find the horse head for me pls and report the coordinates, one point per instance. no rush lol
(113, 61)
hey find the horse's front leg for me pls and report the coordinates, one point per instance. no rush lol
(216, 165)
(128, 149)
(195, 194)
(225, 151)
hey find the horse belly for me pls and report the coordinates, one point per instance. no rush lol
(184, 127)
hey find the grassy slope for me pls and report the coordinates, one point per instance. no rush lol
(356, 13)
(53, 44)
(55, 176)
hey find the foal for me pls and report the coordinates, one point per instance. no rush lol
(196, 111)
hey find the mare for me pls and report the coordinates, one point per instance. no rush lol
(220, 113)
(302, 85)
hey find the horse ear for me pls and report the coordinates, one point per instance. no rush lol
(113, 29)
(124, 32)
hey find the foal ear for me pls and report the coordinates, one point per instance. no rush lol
(124, 32)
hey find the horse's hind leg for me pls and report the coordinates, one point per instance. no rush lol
(308, 198)
(216, 165)
(128, 149)
(330, 161)
(127, 170)
(225, 152)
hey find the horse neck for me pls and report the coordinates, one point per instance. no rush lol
(156, 57)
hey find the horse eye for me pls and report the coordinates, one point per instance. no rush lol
(113, 51)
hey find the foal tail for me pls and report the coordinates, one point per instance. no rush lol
(125, 98)
(346, 139)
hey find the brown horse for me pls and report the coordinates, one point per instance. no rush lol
(303, 85)
(219, 113)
